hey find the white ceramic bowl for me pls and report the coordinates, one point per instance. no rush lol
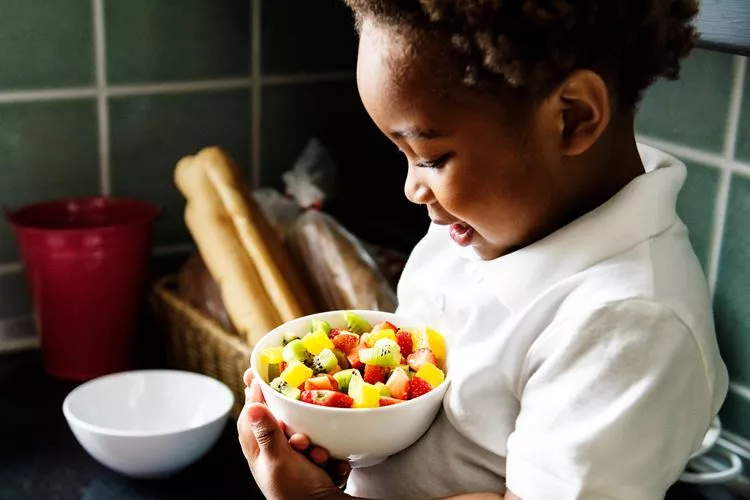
(364, 436)
(148, 423)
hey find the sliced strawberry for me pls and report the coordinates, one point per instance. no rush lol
(398, 384)
(374, 374)
(334, 332)
(321, 382)
(327, 398)
(405, 343)
(420, 357)
(418, 387)
(386, 401)
(353, 358)
(306, 397)
(345, 341)
(282, 366)
(385, 325)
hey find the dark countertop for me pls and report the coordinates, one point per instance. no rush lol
(40, 458)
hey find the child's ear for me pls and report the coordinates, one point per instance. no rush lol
(583, 106)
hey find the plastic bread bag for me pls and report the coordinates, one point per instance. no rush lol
(338, 270)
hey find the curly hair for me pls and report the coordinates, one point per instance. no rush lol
(533, 45)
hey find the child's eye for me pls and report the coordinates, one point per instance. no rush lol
(434, 163)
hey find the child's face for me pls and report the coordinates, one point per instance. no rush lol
(493, 179)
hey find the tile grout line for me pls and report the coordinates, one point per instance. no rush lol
(178, 87)
(257, 94)
(70, 93)
(685, 152)
(333, 76)
(10, 268)
(101, 97)
(47, 95)
(725, 181)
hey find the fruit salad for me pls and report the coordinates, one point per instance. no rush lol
(357, 365)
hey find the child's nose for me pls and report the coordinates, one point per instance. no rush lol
(416, 190)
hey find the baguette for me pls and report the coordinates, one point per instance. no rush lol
(243, 247)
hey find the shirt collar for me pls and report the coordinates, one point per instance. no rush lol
(641, 210)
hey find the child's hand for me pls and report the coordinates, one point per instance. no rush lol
(280, 466)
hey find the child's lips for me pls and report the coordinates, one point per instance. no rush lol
(461, 233)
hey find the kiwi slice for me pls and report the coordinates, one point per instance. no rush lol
(356, 323)
(343, 361)
(384, 391)
(385, 352)
(287, 390)
(274, 371)
(343, 377)
(319, 324)
(295, 351)
(324, 361)
(355, 383)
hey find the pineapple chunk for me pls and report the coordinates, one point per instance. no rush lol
(316, 342)
(380, 334)
(366, 396)
(427, 338)
(272, 355)
(296, 374)
(431, 374)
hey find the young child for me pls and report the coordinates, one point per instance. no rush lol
(582, 350)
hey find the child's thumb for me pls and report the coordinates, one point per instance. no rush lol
(265, 428)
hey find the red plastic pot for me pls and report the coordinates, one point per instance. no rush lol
(85, 261)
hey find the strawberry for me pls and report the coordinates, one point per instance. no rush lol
(405, 342)
(420, 357)
(327, 398)
(385, 325)
(334, 333)
(375, 374)
(418, 387)
(353, 358)
(345, 342)
(321, 382)
(282, 366)
(398, 384)
(386, 401)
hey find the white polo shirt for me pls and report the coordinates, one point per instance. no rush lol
(584, 366)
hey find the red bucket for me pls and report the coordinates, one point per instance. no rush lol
(86, 261)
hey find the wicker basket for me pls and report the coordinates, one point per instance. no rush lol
(196, 343)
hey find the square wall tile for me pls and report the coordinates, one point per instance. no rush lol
(149, 135)
(732, 297)
(366, 163)
(295, 113)
(307, 37)
(15, 299)
(47, 150)
(46, 44)
(168, 40)
(743, 139)
(695, 206)
(691, 111)
(735, 414)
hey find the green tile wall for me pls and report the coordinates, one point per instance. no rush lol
(696, 119)
(178, 76)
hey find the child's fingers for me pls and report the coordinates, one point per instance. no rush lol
(318, 455)
(248, 376)
(256, 395)
(299, 442)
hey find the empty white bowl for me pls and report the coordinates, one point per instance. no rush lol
(363, 436)
(148, 423)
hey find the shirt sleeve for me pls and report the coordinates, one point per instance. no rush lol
(612, 406)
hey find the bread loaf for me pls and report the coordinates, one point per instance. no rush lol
(260, 288)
